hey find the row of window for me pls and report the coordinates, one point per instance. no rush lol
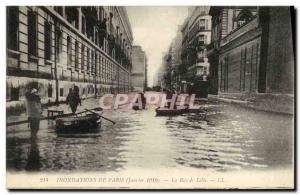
(13, 33)
(95, 23)
(12, 43)
(84, 91)
(90, 61)
(15, 91)
(201, 25)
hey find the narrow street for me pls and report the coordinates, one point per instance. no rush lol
(150, 97)
(228, 138)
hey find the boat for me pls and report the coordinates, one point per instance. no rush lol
(136, 107)
(174, 112)
(77, 123)
(168, 112)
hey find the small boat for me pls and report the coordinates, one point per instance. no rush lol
(174, 112)
(136, 107)
(77, 123)
(168, 112)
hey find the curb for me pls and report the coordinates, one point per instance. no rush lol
(248, 104)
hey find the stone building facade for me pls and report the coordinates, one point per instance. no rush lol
(139, 69)
(251, 54)
(60, 46)
(157, 79)
(196, 35)
(175, 53)
(239, 43)
(163, 76)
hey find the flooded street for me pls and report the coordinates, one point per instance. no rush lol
(228, 138)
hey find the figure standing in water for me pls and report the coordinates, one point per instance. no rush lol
(34, 110)
(73, 99)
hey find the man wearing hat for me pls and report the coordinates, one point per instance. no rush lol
(34, 110)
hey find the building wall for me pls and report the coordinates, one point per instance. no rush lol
(196, 35)
(255, 56)
(138, 81)
(139, 68)
(195, 32)
(235, 48)
(80, 59)
(175, 52)
(280, 63)
(229, 18)
(239, 68)
(159, 76)
(176, 48)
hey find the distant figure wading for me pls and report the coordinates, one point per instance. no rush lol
(73, 98)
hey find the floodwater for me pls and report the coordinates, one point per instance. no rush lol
(227, 138)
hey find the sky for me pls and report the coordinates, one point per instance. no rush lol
(154, 28)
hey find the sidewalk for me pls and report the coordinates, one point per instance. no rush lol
(277, 103)
(87, 103)
(21, 114)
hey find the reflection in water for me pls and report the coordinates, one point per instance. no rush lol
(33, 161)
(228, 138)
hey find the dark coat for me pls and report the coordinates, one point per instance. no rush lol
(33, 105)
(73, 98)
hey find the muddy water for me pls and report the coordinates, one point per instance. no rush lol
(226, 138)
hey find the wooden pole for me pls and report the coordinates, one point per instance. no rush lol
(101, 116)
